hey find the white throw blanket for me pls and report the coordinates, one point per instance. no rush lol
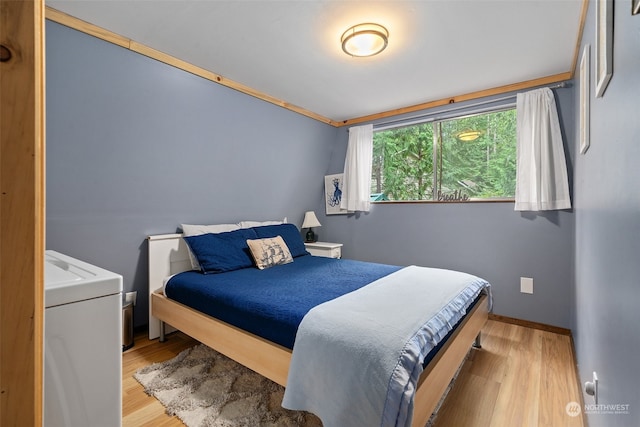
(357, 359)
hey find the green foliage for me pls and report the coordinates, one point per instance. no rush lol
(403, 163)
(403, 158)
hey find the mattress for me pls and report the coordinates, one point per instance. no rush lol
(271, 303)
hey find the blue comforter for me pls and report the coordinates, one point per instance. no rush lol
(271, 303)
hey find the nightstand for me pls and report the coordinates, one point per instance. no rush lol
(325, 249)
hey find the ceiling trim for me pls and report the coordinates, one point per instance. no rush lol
(85, 27)
(106, 35)
(583, 18)
(466, 97)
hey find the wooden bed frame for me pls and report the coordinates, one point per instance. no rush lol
(168, 255)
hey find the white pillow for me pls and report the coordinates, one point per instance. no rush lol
(196, 230)
(249, 224)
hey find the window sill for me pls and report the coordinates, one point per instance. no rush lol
(411, 202)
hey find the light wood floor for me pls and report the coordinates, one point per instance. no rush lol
(139, 409)
(521, 377)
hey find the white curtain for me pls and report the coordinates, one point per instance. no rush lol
(541, 174)
(356, 185)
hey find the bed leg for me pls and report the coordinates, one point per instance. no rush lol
(477, 343)
(162, 337)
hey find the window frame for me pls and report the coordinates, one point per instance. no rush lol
(436, 121)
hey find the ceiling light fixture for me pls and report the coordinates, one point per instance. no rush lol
(365, 40)
(468, 135)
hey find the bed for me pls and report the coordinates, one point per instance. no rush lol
(272, 358)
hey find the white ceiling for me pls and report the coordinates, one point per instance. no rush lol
(290, 50)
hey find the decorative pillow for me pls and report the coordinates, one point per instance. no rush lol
(289, 233)
(220, 252)
(196, 230)
(269, 252)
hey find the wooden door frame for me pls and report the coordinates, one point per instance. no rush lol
(22, 211)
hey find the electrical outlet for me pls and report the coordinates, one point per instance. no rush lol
(131, 297)
(526, 285)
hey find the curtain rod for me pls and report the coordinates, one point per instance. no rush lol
(416, 119)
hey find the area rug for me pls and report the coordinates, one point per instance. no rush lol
(206, 389)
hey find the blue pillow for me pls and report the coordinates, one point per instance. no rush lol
(222, 252)
(290, 234)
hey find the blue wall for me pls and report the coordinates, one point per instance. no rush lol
(490, 240)
(607, 244)
(136, 147)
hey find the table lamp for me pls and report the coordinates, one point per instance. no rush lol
(310, 220)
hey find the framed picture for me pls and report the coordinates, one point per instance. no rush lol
(635, 7)
(333, 194)
(585, 92)
(604, 45)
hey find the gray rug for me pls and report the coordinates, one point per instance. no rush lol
(204, 388)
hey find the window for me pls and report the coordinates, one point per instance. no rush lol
(459, 159)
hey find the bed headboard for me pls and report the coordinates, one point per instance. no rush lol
(168, 254)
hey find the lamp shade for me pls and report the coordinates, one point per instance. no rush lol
(310, 220)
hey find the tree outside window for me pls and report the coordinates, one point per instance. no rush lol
(466, 158)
